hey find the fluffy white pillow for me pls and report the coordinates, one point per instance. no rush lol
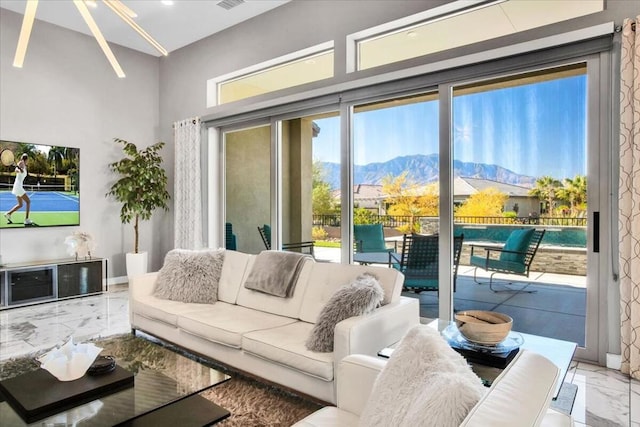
(190, 276)
(425, 383)
(359, 297)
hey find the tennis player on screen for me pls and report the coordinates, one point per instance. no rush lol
(18, 191)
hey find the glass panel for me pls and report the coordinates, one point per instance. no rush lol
(294, 73)
(247, 187)
(310, 177)
(395, 192)
(447, 32)
(520, 163)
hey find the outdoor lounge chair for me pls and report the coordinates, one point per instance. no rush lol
(514, 257)
(369, 238)
(418, 261)
(302, 247)
(230, 238)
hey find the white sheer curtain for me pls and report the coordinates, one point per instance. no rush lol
(187, 202)
(629, 198)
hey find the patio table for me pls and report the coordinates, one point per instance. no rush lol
(367, 258)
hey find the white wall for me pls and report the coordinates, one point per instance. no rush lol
(67, 94)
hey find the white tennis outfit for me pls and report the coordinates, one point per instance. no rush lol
(18, 189)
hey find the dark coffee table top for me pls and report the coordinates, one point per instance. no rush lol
(161, 376)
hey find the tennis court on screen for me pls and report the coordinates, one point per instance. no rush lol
(49, 206)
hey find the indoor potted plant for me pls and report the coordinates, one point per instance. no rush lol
(141, 188)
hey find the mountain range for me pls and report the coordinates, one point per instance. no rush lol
(423, 169)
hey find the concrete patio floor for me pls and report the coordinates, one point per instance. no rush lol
(556, 310)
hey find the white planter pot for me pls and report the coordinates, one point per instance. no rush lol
(136, 264)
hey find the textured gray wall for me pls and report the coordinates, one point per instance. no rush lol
(67, 94)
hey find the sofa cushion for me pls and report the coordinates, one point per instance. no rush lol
(190, 276)
(234, 271)
(226, 323)
(285, 346)
(164, 310)
(359, 297)
(329, 416)
(289, 307)
(326, 278)
(429, 383)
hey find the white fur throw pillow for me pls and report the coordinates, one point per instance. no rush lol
(359, 297)
(425, 383)
(190, 276)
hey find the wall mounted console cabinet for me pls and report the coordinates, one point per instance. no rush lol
(42, 281)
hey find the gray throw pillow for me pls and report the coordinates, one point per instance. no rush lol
(190, 276)
(359, 297)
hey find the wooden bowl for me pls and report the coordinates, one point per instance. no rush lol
(483, 327)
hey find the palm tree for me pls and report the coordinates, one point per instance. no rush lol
(546, 189)
(574, 191)
(56, 154)
(28, 149)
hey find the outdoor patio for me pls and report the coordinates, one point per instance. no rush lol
(555, 310)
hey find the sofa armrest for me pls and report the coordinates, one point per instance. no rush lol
(356, 375)
(370, 333)
(519, 396)
(140, 286)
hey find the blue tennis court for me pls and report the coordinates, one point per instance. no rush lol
(43, 201)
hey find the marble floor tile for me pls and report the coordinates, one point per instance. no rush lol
(603, 397)
(634, 402)
(35, 328)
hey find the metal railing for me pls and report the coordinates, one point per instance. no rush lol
(394, 221)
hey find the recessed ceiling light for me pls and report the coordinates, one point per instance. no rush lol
(91, 3)
(167, 2)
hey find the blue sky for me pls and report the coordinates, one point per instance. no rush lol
(537, 129)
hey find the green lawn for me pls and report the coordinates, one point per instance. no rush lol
(42, 219)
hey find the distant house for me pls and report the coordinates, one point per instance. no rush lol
(371, 197)
(368, 196)
(519, 199)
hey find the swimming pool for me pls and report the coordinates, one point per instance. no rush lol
(572, 237)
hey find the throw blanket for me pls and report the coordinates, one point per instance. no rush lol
(275, 273)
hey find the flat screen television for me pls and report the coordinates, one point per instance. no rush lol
(52, 185)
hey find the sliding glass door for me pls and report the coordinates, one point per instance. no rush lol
(521, 162)
(395, 189)
(247, 187)
(473, 159)
(309, 155)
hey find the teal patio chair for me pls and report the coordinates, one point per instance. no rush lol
(302, 247)
(515, 257)
(418, 261)
(369, 238)
(231, 242)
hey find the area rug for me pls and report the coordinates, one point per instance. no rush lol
(250, 402)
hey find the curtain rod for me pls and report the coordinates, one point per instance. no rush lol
(192, 121)
(619, 27)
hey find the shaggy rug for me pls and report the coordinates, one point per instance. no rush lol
(251, 403)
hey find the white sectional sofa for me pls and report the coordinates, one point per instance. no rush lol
(520, 396)
(265, 335)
